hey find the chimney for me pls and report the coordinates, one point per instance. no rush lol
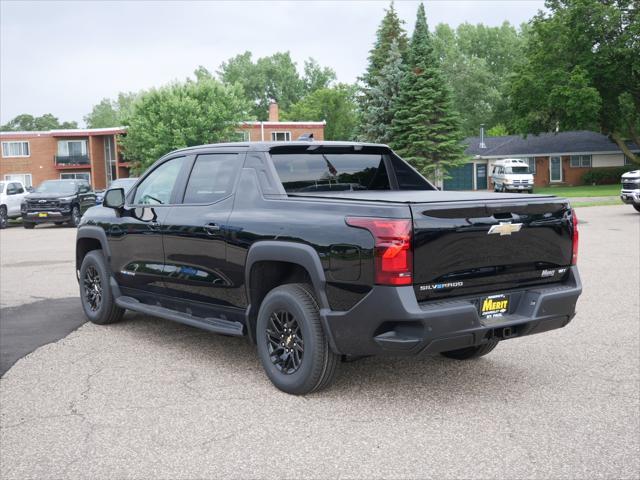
(482, 144)
(273, 112)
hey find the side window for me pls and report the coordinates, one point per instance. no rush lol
(212, 177)
(156, 188)
(19, 188)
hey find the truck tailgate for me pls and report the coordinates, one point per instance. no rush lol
(457, 252)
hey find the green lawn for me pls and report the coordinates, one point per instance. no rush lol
(581, 191)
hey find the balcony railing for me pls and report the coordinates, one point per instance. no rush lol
(70, 160)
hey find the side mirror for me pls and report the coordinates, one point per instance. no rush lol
(30, 189)
(114, 198)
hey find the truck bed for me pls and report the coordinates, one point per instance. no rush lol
(424, 196)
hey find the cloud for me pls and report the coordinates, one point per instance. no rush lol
(64, 57)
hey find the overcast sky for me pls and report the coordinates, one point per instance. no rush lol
(64, 57)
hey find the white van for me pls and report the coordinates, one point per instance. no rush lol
(512, 174)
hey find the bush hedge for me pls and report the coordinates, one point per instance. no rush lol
(606, 176)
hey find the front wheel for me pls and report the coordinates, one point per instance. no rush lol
(4, 218)
(292, 345)
(637, 207)
(471, 352)
(28, 225)
(95, 292)
(76, 216)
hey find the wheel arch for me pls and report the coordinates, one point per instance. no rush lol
(271, 263)
(91, 238)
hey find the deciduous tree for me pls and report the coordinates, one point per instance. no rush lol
(336, 105)
(182, 114)
(582, 70)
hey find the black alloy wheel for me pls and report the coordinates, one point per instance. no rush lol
(292, 345)
(92, 288)
(285, 342)
(4, 218)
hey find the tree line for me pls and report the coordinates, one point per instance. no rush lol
(572, 67)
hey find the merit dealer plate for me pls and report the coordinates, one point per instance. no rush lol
(494, 306)
(42, 214)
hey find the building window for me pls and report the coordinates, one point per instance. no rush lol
(280, 136)
(580, 161)
(25, 178)
(532, 164)
(72, 148)
(15, 149)
(76, 176)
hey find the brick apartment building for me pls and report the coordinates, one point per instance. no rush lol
(91, 154)
(273, 130)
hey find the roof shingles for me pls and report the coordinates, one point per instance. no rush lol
(582, 141)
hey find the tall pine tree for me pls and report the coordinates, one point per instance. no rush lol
(389, 31)
(426, 130)
(376, 119)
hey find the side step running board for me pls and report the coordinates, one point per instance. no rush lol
(217, 325)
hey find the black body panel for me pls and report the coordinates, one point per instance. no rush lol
(210, 264)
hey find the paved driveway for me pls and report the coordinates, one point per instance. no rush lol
(147, 398)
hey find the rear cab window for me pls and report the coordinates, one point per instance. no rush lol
(305, 169)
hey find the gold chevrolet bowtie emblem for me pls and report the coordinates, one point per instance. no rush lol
(505, 228)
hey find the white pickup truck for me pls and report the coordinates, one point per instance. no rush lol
(630, 192)
(11, 195)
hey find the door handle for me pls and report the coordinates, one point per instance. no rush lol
(211, 228)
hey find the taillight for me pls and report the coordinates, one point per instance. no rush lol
(574, 222)
(392, 252)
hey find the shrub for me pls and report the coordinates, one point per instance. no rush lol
(605, 176)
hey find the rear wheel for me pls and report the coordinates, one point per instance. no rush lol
(471, 352)
(292, 346)
(4, 218)
(95, 292)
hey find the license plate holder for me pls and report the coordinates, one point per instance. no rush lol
(493, 306)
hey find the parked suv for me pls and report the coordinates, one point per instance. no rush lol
(57, 201)
(124, 183)
(630, 192)
(11, 195)
(318, 251)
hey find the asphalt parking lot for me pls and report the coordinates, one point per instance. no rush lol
(148, 398)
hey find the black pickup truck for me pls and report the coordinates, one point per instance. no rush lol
(57, 201)
(321, 251)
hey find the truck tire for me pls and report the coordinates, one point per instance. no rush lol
(471, 352)
(75, 216)
(292, 345)
(637, 207)
(95, 292)
(28, 225)
(4, 218)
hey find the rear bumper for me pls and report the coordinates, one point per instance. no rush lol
(389, 320)
(630, 196)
